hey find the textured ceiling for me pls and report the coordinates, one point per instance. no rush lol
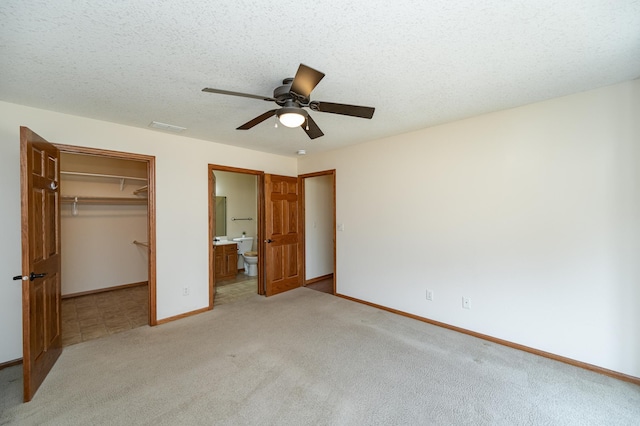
(419, 63)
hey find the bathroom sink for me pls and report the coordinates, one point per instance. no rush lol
(222, 241)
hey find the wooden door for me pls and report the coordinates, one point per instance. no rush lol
(283, 248)
(41, 292)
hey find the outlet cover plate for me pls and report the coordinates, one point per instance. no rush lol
(466, 302)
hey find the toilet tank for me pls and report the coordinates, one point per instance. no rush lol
(244, 244)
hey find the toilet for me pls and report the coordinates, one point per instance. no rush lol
(251, 263)
(247, 259)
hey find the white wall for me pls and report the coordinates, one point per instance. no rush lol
(97, 244)
(318, 199)
(182, 203)
(533, 213)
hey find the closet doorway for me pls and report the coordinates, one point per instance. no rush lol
(107, 223)
(318, 193)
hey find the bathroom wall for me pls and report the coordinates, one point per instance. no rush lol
(318, 199)
(531, 212)
(241, 191)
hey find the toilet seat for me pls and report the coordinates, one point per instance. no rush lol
(251, 253)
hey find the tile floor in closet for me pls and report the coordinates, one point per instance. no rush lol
(101, 314)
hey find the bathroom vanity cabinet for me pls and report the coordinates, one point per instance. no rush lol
(226, 261)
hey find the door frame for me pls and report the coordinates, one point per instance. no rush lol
(303, 225)
(212, 205)
(151, 208)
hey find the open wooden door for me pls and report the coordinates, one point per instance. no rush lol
(41, 292)
(283, 250)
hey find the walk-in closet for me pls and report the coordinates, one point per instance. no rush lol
(105, 254)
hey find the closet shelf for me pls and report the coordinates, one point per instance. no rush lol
(122, 179)
(103, 200)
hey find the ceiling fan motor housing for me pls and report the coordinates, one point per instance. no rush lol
(283, 93)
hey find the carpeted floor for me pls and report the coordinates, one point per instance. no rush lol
(309, 358)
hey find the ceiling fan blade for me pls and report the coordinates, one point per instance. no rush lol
(344, 109)
(305, 81)
(259, 119)
(311, 128)
(244, 95)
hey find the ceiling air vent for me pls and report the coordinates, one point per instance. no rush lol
(167, 127)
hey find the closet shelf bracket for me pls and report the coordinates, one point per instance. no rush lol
(141, 190)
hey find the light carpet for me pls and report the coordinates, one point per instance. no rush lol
(309, 358)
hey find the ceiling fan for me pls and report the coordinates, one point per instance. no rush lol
(292, 97)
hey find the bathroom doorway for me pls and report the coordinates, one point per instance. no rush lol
(318, 191)
(236, 211)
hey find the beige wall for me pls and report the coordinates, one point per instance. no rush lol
(532, 212)
(182, 203)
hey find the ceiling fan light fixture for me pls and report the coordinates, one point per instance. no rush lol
(291, 116)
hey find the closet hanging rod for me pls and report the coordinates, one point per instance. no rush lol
(242, 218)
(102, 175)
(103, 200)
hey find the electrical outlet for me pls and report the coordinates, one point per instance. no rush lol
(466, 302)
(429, 294)
(185, 291)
